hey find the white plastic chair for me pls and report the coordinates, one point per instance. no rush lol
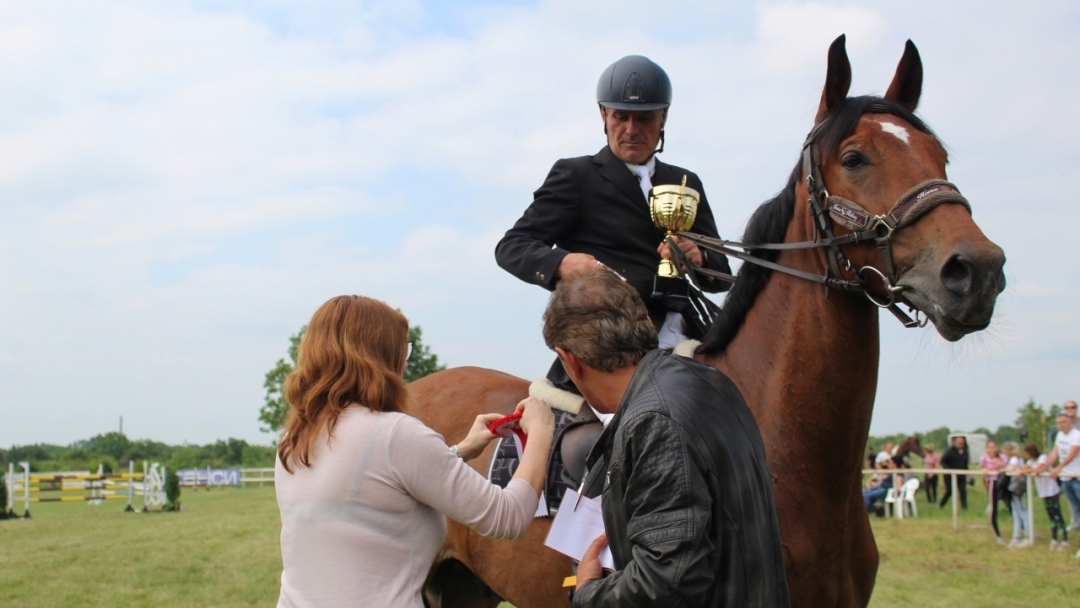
(891, 498)
(909, 496)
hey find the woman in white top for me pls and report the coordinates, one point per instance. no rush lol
(362, 486)
(1048, 490)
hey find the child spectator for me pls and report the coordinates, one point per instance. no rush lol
(1016, 500)
(992, 463)
(1048, 490)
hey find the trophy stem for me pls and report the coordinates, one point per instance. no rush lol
(667, 268)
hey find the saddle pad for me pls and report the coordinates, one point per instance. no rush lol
(504, 463)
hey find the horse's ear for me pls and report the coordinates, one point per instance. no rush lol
(906, 86)
(837, 79)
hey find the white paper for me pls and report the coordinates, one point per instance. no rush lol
(573, 531)
(541, 507)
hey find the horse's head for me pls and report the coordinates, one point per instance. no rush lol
(911, 444)
(873, 151)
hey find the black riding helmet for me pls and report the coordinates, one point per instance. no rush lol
(634, 83)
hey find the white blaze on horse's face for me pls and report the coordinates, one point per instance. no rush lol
(894, 129)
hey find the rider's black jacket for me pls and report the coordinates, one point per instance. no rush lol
(688, 504)
(594, 205)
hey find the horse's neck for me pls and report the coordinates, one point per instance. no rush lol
(807, 366)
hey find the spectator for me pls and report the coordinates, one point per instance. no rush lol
(879, 484)
(956, 457)
(930, 481)
(883, 455)
(1047, 490)
(1022, 536)
(1065, 452)
(1070, 412)
(992, 464)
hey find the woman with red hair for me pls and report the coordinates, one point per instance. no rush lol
(362, 486)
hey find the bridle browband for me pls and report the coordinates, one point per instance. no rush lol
(864, 226)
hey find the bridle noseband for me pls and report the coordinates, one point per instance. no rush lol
(865, 226)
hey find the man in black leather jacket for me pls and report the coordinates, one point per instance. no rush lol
(687, 501)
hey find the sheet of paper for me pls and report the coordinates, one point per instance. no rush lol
(574, 530)
(541, 507)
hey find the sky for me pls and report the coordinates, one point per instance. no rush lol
(182, 184)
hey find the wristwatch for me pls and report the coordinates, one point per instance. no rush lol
(455, 451)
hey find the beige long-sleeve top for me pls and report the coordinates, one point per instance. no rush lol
(362, 525)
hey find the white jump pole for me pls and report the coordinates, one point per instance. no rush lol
(1031, 508)
(955, 506)
(131, 485)
(144, 480)
(10, 481)
(26, 488)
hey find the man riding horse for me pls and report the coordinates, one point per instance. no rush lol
(594, 209)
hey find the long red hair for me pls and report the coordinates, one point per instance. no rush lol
(351, 353)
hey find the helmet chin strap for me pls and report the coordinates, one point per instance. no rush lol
(661, 148)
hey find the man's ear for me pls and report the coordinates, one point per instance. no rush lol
(571, 363)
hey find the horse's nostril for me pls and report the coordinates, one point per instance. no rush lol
(957, 274)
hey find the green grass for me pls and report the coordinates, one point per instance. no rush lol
(925, 563)
(222, 550)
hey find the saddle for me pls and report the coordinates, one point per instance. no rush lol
(576, 431)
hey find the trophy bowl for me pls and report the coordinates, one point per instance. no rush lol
(673, 209)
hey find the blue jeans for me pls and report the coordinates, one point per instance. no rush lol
(872, 496)
(1071, 489)
(1020, 518)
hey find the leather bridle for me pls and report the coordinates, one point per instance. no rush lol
(864, 225)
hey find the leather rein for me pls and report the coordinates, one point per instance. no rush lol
(864, 225)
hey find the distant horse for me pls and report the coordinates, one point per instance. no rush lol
(907, 446)
(804, 357)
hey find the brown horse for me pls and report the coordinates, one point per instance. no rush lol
(805, 358)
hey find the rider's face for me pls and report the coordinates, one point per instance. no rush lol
(633, 136)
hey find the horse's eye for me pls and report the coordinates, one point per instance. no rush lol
(854, 160)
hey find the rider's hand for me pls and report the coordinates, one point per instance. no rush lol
(478, 438)
(574, 264)
(537, 416)
(688, 247)
(590, 569)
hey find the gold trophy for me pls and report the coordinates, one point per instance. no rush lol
(673, 209)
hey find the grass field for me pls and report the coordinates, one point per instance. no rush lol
(222, 550)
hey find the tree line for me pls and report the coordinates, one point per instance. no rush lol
(114, 450)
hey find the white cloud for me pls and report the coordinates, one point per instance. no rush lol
(792, 35)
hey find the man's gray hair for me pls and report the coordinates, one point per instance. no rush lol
(601, 319)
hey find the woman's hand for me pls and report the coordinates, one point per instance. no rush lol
(536, 416)
(478, 438)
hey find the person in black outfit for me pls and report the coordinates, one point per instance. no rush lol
(594, 210)
(955, 457)
(687, 498)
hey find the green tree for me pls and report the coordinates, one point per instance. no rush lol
(422, 361)
(113, 444)
(172, 491)
(1036, 421)
(272, 414)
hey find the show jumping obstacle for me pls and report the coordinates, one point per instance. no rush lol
(83, 486)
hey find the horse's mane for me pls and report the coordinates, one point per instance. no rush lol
(769, 222)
